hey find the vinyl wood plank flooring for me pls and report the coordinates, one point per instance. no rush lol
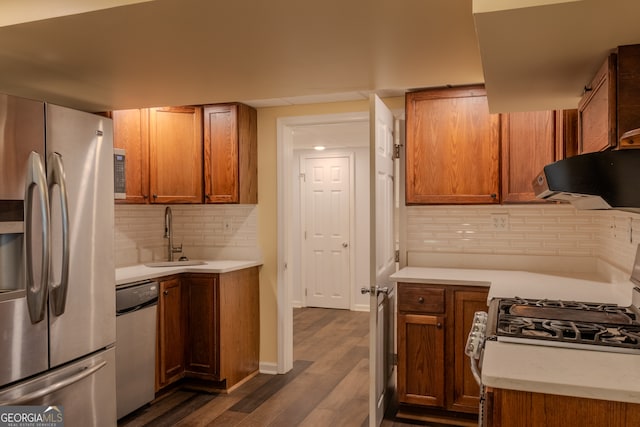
(328, 385)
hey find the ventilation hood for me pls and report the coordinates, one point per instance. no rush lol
(603, 180)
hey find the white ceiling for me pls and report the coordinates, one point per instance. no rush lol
(111, 54)
(268, 52)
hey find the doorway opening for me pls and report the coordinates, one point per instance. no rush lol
(342, 135)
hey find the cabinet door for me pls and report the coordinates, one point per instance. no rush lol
(452, 147)
(230, 154)
(421, 359)
(202, 326)
(529, 142)
(466, 393)
(131, 132)
(170, 332)
(597, 111)
(175, 139)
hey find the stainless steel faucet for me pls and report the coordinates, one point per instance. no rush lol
(168, 234)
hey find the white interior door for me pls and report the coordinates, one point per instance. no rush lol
(382, 290)
(327, 224)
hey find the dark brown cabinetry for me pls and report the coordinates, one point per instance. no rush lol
(175, 154)
(452, 147)
(526, 409)
(433, 371)
(209, 328)
(230, 154)
(171, 332)
(610, 106)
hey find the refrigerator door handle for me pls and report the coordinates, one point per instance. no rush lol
(36, 182)
(55, 177)
(84, 373)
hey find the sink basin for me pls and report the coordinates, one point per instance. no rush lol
(174, 263)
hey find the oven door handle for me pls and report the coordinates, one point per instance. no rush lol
(475, 371)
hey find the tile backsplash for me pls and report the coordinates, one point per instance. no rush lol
(205, 231)
(555, 230)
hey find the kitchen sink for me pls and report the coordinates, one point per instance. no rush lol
(174, 263)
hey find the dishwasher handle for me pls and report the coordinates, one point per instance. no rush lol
(144, 305)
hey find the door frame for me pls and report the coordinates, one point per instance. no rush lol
(352, 233)
(285, 128)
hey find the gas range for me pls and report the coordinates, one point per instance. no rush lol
(569, 324)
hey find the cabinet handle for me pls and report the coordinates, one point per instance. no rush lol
(421, 300)
(165, 293)
(493, 195)
(155, 196)
(439, 325)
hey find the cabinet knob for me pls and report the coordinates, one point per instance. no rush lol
(165, 293)
(145, 196)
(439, 325)
(155, 196)
(493, 195)
(421, 300)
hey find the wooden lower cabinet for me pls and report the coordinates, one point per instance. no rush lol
(217, 339)
(434, 377)
(171, 332)
(203, 323)
(526, 409)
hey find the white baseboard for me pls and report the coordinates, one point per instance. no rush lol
(268, 368)
(360, 307)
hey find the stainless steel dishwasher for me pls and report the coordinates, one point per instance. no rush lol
(136, 306)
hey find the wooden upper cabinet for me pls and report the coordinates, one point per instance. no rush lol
(530, 140)
(597, 110)
(452, 147)
(131, 132)
(230, 154)
(175, 139)
(610, 106)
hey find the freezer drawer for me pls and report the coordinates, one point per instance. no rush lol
(85, 390)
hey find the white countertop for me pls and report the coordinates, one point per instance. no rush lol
(570, 372)
(524, 284)
(138, 272)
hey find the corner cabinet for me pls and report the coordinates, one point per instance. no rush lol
(230, 154)
(452, 147)
(218, 317)
(530, 141)
(434, 377)
(175, 155)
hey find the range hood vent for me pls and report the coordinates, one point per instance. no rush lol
(603, 180)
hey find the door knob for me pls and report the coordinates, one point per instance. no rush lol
(345, 244)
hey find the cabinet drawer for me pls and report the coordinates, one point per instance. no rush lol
(420, 298)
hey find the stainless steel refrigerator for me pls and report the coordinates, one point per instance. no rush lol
(57, 277)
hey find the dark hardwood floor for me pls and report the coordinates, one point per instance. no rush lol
(328, 385)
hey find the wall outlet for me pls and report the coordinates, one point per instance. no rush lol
(500, 222)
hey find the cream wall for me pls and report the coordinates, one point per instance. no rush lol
(268, 203)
